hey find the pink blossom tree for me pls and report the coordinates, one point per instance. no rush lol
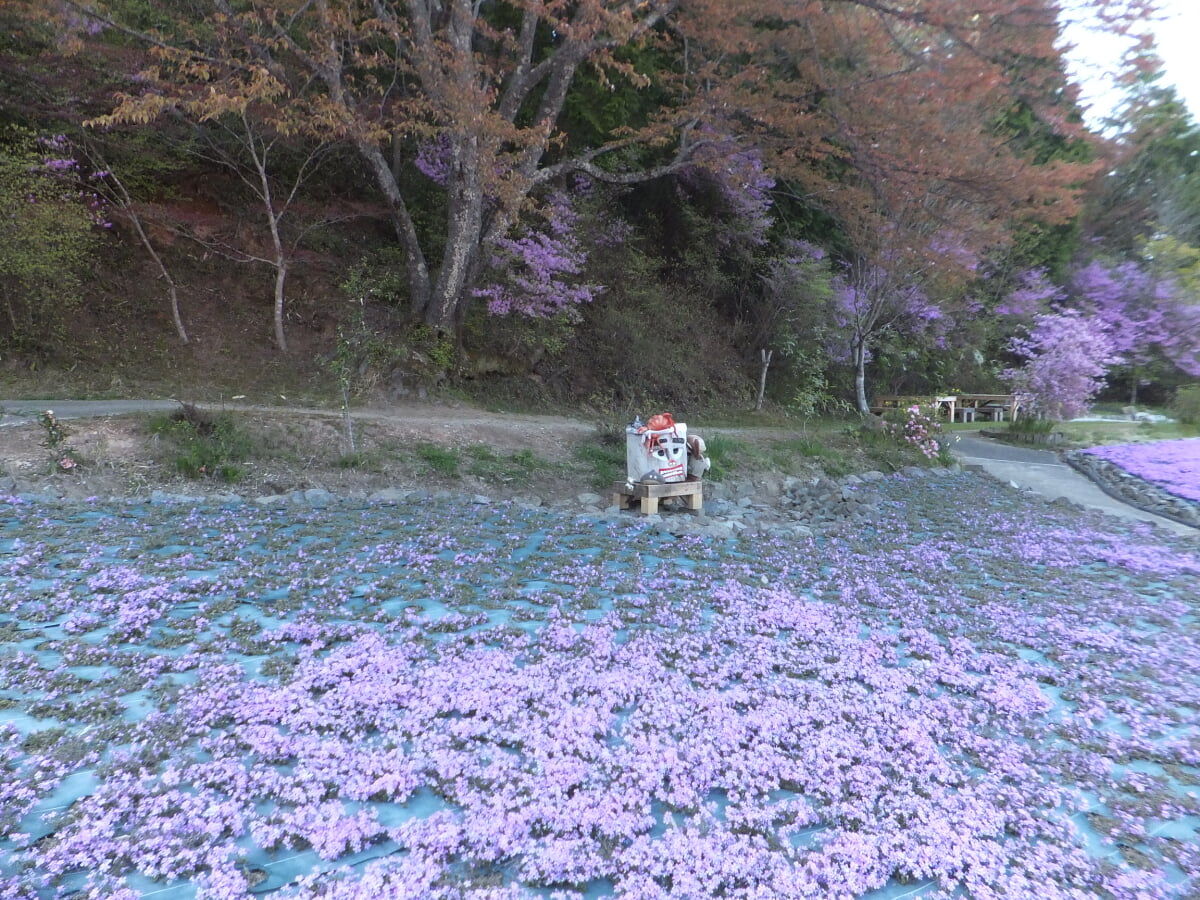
(1066, 357)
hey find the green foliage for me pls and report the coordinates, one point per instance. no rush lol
(1032, 426)
(441, 460)
(438, 348)
(512, 468)
(1186, 405)
(604, 460)
(378, 277)
(648, 344)
(790, 455)
(515, 344)
(726, 453)
(48, 236)
(602, 104)
(812, 394)
(201, 445)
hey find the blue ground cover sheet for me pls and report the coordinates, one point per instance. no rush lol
(982, 696)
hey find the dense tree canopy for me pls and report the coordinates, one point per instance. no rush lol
(932, 151)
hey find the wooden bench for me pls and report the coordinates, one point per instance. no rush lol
(651, 492)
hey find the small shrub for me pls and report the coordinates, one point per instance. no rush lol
(444, 462)
(724, 452)
(1186, 405)
(54, 438)
(1030, 425)
(203, 445)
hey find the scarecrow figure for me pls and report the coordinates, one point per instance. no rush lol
(661, 452)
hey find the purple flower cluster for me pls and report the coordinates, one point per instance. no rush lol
(1172, 465)
(536, 271)
(445, 701)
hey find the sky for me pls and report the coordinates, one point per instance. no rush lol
(1177, 37)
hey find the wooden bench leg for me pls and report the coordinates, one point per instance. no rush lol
(695, 502)
(649, 506)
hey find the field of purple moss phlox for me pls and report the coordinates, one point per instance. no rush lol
(984, 696)
(1172, 465)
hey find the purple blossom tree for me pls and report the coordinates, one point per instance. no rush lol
(1033, 293)
(744, 186)
(1066, 356)
(535, 272)
(869, 301)
(1144, 315)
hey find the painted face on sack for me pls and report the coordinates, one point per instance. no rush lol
(668, 458)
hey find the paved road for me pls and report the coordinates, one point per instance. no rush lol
(1042, 471)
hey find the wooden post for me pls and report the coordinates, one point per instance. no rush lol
(765, 355)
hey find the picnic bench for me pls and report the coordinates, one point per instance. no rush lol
(955, 407)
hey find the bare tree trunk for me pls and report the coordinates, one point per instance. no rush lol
(348, 422)
(281, 269)
(860, 376)
(267, 196)
(765, 355)
(127, 205)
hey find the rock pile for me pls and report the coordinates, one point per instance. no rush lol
(823, 502)
(771, 505)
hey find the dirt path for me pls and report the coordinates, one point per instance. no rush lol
(298, 447)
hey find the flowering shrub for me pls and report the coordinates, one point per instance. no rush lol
(536, 271)
(919, 429)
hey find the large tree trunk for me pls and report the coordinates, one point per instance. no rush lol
(464, 233)
(420, 287)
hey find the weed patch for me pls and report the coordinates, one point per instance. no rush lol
(442, 461)
(726, 453)
(514, 468)
(201, 445)
(604, 463)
